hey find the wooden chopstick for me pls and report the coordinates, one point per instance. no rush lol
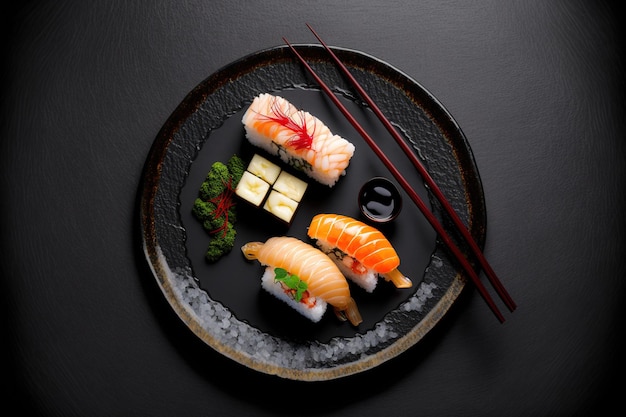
(491, 275)
(406, 186)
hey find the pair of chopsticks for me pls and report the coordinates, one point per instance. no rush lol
(496, 283)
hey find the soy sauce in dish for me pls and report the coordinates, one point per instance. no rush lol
(380, 200)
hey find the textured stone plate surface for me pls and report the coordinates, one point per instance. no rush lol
(223, 303)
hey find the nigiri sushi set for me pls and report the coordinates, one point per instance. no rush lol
(274, 231)
(306, 275)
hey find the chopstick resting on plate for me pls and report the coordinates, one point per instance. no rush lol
(409, 190)
(426, 176)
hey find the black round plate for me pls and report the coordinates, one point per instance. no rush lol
(222, 302)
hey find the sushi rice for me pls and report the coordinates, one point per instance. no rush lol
(269, 283)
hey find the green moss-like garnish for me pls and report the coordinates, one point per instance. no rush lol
(215, 206)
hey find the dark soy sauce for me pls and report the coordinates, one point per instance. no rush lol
(379, 200)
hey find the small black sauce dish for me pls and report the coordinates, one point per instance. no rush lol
(379, 200)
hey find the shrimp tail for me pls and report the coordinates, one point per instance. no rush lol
(251, 250)
(398, 279)
(350, 313)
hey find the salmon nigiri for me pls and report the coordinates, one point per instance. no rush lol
(360, 251)
(312, 275)
(297, 137)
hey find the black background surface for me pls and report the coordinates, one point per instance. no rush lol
(538, 89)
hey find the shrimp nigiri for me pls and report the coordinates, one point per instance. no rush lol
(298, 138)
(360, 251)
(323, 279)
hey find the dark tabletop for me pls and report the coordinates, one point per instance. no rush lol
(537, 88)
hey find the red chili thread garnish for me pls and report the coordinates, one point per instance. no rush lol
(301, 138)
(223, 203)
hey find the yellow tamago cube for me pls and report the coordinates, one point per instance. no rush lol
(290, 186)
(280, 206)
(252, 188)
(263, 168)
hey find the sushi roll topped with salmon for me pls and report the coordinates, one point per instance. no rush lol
(361, 251)
(300, 139)
(303, 277)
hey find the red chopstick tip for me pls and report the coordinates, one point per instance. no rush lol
(501, 318)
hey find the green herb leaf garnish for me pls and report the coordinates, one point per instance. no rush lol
(292, 282)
